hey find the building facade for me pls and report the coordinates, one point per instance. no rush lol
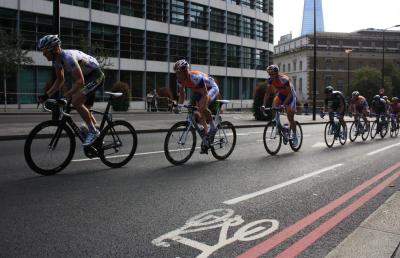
(308, 17)
(230, 40)
(334, 66)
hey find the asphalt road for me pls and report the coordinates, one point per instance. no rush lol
(205, 208)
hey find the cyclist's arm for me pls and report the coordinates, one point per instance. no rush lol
(58, 83)
(203, 103)
(290, 95)
(267, 94)
(78, 82)
(181, 94)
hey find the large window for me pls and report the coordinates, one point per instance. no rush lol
(155, 81)
(261, 33)
(131, 43)
(198, 16)
(132, 8)
(233, 24)
(262, 59)
(156, 46)
(33, 27)
(81, 3)
(179, 12)
(217, 54)
(261, 5)
(233, 84)
(233, 56)
(105, 39)
(74, 34)
(178, 48)
(8, 20)
(248, 57)
(248, 27)
(135, 82)
(199, 51)
(217, 22)
(247, 88)
(105, 5)
(248, 3)
(157, 10)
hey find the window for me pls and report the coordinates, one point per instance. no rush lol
(217, 54)
(248, 58)
(288, 67)
(81, 3)
(105, 39)
(248, 27)
(198, 16)
(262, 59)
(179, 12)
(260, 5)
(232, 87)
(233, 56)
(260, 30)
(217, 20)
(132, 8)
(301, 65)
(105, 5)
(157, 10)
(233, 24)
(178, 48)
(284, 68)
(74, 34)
(247, 88)
(134, 80)
(248, 3)
(155, 81)
(199, 51)
(294, 66)
(131, 43)
(33, 27)
(301, 86)
(156, 46)
(8, 20)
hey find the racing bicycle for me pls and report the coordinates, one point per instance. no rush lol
(394, 125)
(380, 127)
(275, 133)
(50, 145)
(180, 142)
(359, 127)
(334, 130)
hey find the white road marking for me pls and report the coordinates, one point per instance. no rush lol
(281, 185)
(382, 149)
(319, 144)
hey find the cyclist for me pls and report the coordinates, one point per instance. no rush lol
(280, 84)
(395, 109)
(205, 91)
(378, 106)
(359, 106)
(86, 74)
(337, 104)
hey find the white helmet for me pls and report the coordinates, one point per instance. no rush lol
(49, 42)
(181, 65)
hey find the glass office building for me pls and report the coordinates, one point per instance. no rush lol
(230, 40)
(308, 17)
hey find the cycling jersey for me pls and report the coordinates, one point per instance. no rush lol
(197, 81)
(283, 87)
(71, 59)
(360, 103)
(395, 107)
(379, 106)
(337, 100)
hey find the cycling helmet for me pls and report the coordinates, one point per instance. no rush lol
(49, 42)
(328, 89)
(385, 98)
(273, 68)
(181, 65)
(395, 99)
(355, 94)
(377, 98)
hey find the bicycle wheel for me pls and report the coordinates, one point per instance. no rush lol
(394, 129)
(329, 134)
(49, 147)
(299, 133)
(272, 138)
(374, 128)
(224, 141)
(366, 129)
(384, 129)
(353, 131)
(180, 143)
(343, 134)
(119, 142)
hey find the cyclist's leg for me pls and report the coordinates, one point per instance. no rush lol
(291, 110)
(78, 100)
(212, 96)
(89, 104)
(205, 113)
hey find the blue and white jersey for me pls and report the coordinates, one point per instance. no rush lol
(72, 59)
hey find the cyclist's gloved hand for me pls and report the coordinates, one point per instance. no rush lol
(262, 108)
(350, 114)
(176, 109)
(42, 98)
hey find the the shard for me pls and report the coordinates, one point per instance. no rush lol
(308, 17)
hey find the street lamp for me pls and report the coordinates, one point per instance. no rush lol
(315, 66)
(348, 52)
(383, 53)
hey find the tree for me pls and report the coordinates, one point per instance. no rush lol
(392, 80)
(367, 81)
(12, 56)
(97, 51)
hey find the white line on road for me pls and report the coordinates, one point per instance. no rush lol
(382, 149)
(278, 186)
(319, 144)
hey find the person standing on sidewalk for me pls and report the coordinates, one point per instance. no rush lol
(285, 95)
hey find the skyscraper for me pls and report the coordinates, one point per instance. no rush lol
(308, 17)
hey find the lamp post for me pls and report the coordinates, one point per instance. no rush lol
(383, 53)
(315, 66)
(348, 52)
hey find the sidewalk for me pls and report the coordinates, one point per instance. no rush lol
(378, 236)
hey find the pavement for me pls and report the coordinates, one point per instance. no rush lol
(377, 236)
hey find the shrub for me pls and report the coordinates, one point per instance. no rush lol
(121, 103)
(258, 101)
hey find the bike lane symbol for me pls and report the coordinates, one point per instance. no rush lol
(217, 218)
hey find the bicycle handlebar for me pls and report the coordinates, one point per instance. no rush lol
(60, 102)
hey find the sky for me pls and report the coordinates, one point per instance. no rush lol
(339, 15)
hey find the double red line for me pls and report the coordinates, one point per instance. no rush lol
(325, 227)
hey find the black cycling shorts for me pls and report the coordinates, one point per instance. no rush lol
(93, 81)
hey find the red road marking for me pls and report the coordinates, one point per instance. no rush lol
(324, 228)
(288, 232)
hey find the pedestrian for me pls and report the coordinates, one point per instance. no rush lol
(305, 105)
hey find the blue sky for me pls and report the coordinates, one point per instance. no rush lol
(339, 15)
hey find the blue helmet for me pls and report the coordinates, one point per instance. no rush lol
(49, 42)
